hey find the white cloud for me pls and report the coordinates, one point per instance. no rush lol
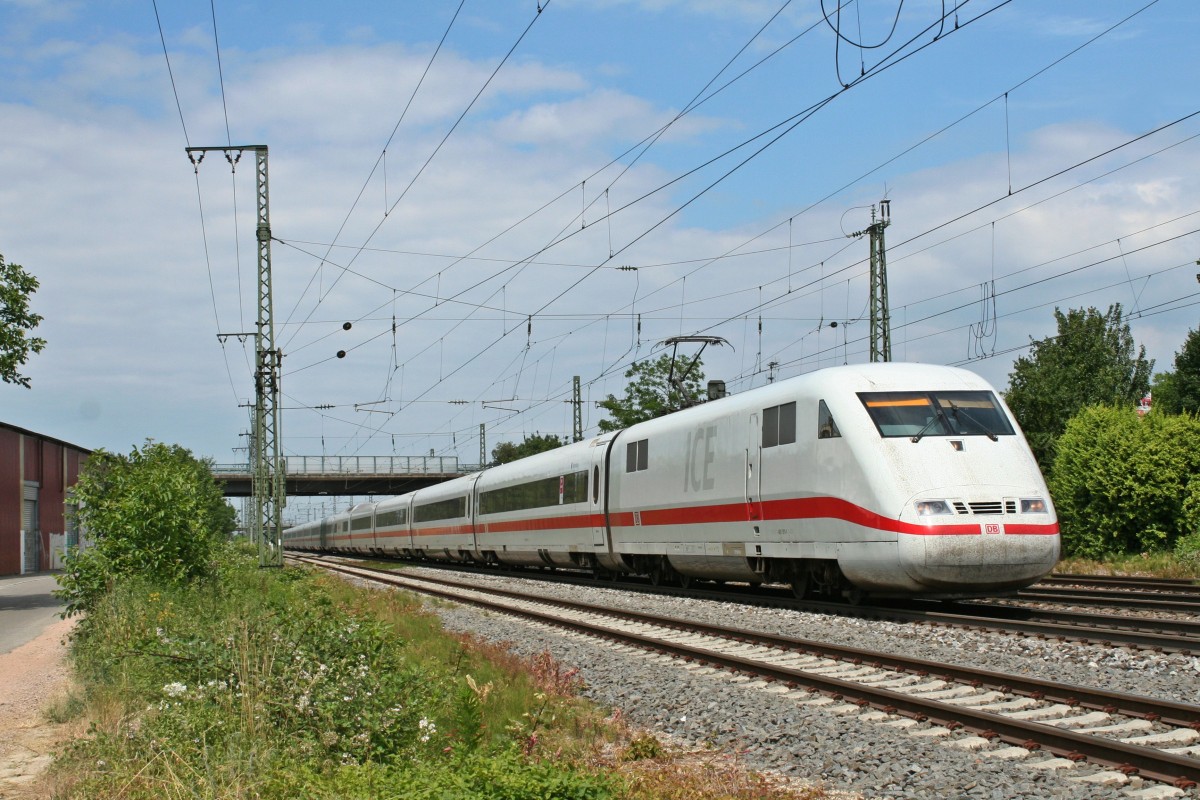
(98, 200)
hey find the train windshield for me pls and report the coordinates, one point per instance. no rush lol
(921, 414)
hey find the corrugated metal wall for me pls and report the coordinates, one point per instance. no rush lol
(36, 472)
(11, 502)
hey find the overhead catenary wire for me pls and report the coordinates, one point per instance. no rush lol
(606, 266)
(610, 256)
(653, 137)
(199, 198)
(429, 159)
(382, 156)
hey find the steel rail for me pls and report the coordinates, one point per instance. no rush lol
(1155, 764)
(1185, 585)
(1183, 629)
(1115, 598)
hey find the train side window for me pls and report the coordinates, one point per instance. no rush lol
(787, 423)
(826, 427)
(779, 425)
(770, 426)
(637, 456)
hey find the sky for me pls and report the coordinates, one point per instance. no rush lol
(498, 196)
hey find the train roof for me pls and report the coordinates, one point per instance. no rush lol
(827, 383)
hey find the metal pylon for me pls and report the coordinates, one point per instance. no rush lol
(576, 412)
(269, 476)
(881, 321)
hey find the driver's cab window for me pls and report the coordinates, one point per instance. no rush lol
(826, 427)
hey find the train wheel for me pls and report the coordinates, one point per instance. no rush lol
(686, 581)
(855, 596)
(800, 585)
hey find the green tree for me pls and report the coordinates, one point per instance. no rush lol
(649, 393)
(531, 445)
(1179, 391)
(156, 513)
(1125, 484)
(16, 322)
(1092, 361)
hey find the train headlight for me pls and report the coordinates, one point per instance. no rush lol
(1033, 505)
(929, 508)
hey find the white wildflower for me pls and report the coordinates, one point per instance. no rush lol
(174, 689)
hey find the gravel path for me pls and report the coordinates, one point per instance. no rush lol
(790, 733)
(33, 675)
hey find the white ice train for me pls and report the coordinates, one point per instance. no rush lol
(881, 479)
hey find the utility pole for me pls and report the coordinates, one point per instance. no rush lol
(577, 413)
(269, 478)
(881, 322)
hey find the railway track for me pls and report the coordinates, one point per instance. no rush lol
(1158, 740)
(1141, 632)
(1165, 634)
(1180, 585)
(1133, 597)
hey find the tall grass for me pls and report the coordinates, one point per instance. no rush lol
(273, 683)
(1151, 565)
(281, 684)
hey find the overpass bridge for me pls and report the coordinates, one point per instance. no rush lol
(348, 475)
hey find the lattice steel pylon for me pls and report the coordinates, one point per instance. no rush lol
(576, 411)
(269, 477)
(881, 322)
(270, 485)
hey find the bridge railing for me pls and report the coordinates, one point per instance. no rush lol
(357, 465)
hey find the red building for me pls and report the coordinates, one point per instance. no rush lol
(36, 472)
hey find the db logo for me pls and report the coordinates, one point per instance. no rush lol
(991, 527)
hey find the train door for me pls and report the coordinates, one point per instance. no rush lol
(754, 469)
(596, 497)
(472, 521)
(407, 541)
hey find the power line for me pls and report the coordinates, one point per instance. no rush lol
(541, 7)
(947, 223)
(412, 96)
(199, 200)
(170, 72)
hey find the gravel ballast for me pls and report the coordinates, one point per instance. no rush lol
(809, 737)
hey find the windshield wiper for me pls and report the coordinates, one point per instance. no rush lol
(935, 419)
(978, 424)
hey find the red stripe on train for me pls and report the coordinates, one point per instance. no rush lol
(808, 508)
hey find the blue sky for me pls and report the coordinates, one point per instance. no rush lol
(99, 201)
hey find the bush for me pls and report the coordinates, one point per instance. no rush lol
(1126, 484)
(156, 513)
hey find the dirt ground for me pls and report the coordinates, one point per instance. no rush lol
(31, 678)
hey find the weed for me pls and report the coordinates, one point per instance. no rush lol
(643, 746)
(66, 708)
(1183, 563)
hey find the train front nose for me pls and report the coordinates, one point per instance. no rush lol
(969, 546)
